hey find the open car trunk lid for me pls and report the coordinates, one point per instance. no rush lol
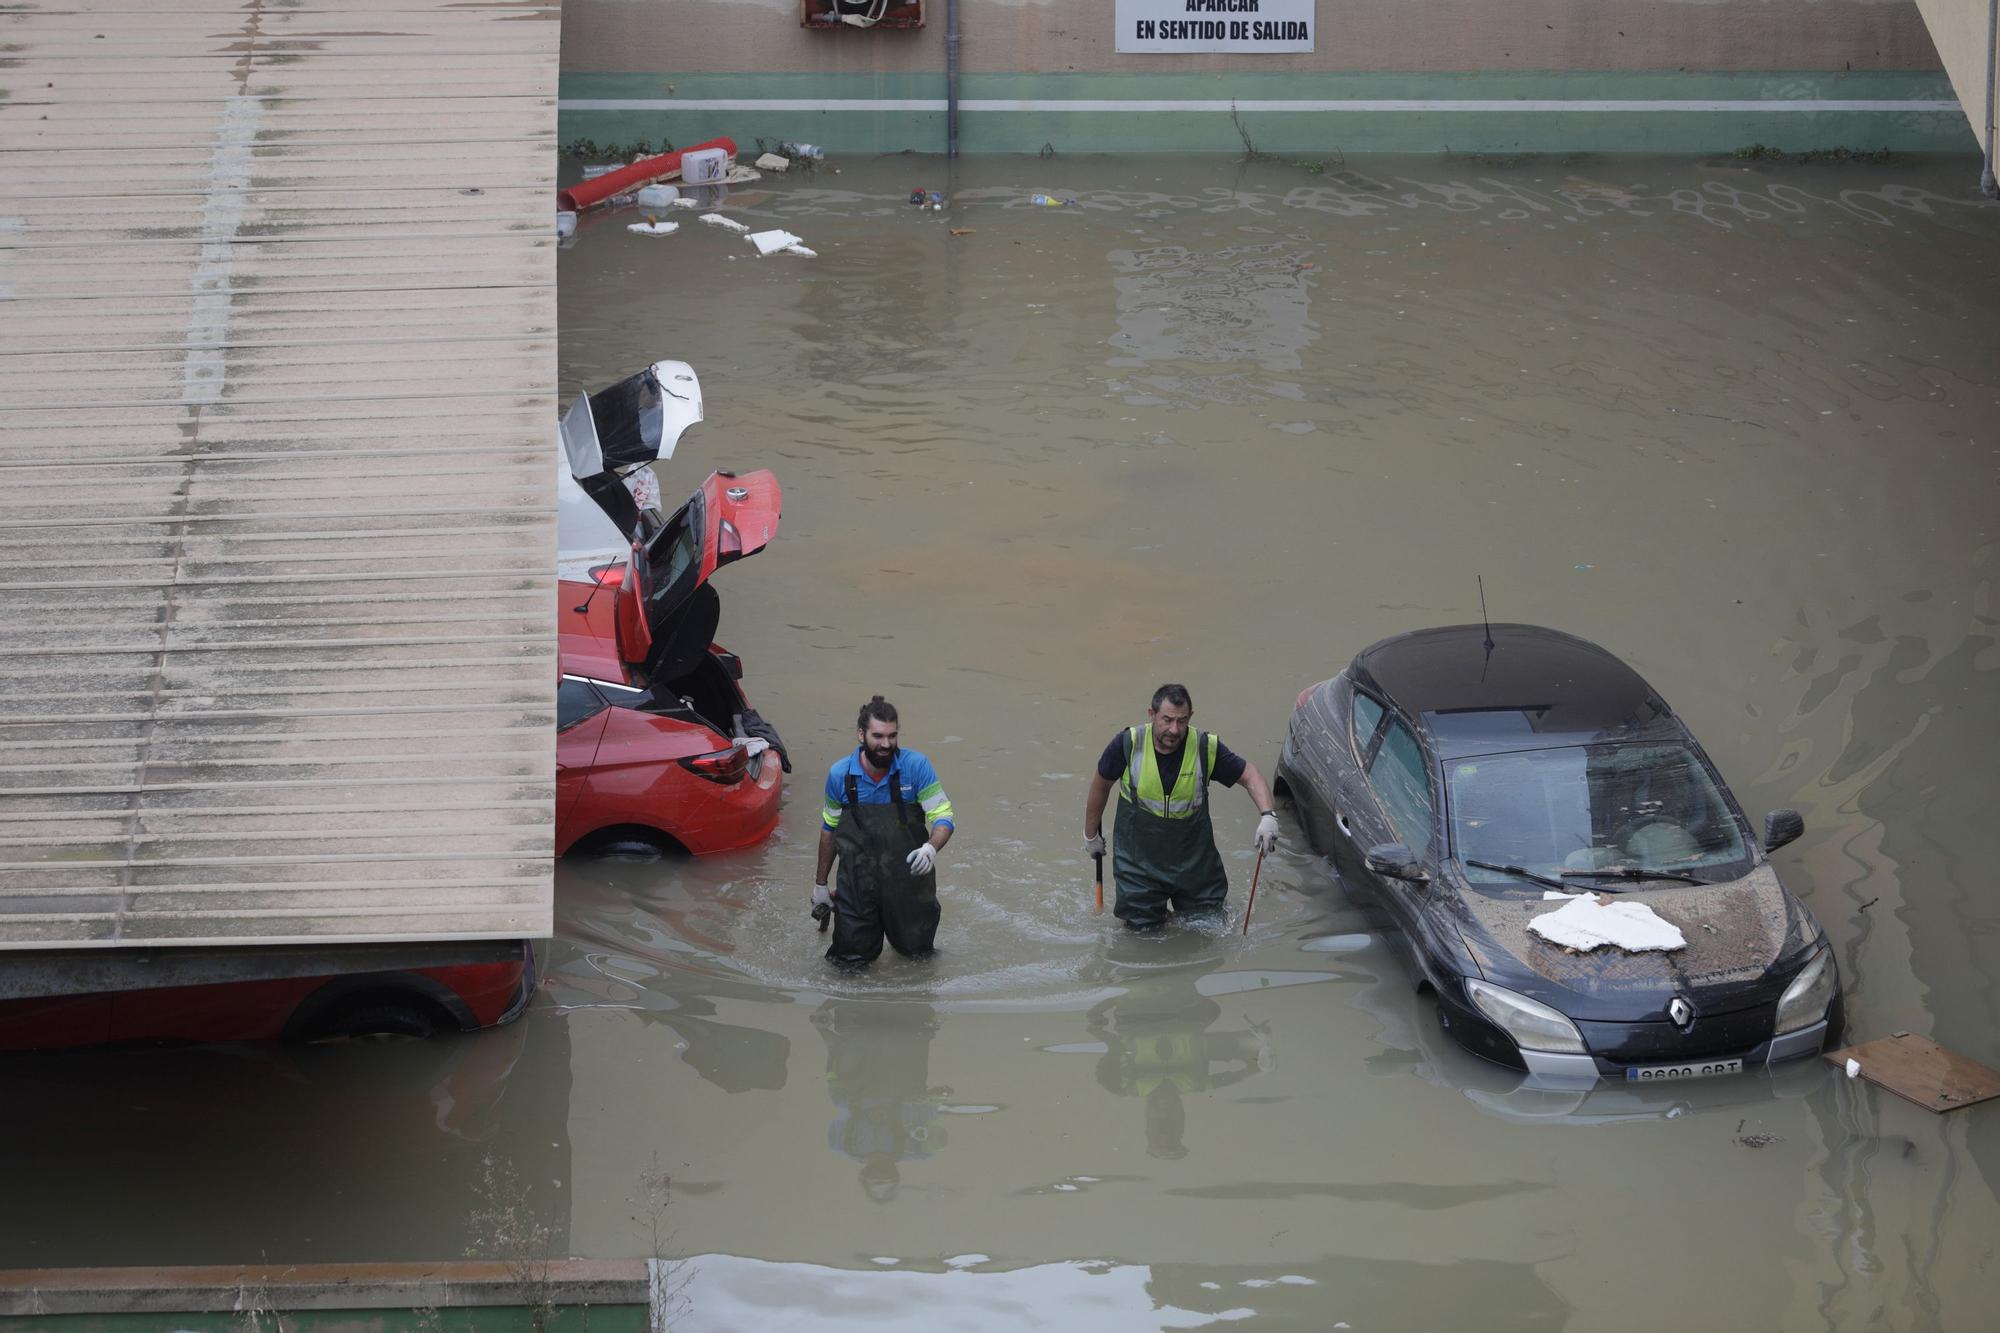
(730, 517)
(605, 441)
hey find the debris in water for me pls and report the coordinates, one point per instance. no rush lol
(771, 242)
(652, 226)
(717, 220)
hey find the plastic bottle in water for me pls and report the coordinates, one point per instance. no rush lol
(812, 152)
(1050, 201)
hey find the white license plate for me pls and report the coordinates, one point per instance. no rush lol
(1696, 1069)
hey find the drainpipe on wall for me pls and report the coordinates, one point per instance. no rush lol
(1987, 184)
(951, 88)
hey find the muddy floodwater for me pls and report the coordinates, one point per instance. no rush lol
(1222, 424)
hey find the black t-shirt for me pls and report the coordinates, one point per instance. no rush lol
(1228, 768)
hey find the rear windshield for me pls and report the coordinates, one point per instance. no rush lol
(629, 418)
(673, 560)
(1593, 807)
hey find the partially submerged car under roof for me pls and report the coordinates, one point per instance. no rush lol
(655, 739)
(1460, 777)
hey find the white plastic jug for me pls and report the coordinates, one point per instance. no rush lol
(704, 166)
(658, 196)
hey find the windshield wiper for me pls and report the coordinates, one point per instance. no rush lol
(1522, 871)
(1631, 872)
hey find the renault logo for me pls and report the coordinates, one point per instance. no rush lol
(1680, 1011)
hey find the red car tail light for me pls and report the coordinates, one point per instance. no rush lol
(727, 767)
(729, 545)
(608, 576)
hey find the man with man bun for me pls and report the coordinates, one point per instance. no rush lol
(885, 817)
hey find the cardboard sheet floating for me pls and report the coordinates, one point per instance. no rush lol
(1919, 1070)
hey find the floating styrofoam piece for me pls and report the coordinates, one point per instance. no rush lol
(685, 203)
(742, 175)
(1583, 923)
(654, 228)
(717, 220)
(772, 162)
(657, 196)
(1853, 1068)
(767, 241)
(800, 251)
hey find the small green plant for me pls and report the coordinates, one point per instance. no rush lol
(1251, 153)
(1757, 152)
(507, 1226)
(649, 1212)
(589, 150)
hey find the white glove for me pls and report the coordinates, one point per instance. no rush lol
(921, 860)
(822, 896)
(1266, 837)
(1094, 846)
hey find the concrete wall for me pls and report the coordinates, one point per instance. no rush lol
(1387, 75)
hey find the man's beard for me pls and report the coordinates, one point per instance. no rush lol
(880, 758)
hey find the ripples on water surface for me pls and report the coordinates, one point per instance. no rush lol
(1226, 425)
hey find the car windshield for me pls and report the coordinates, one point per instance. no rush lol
(1584, 808)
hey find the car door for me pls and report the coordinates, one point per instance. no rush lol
(1358, 822)
(1400, 809)
(580, 714)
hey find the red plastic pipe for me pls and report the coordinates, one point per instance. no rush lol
(643, 172)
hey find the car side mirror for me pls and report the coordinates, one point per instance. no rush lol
(1781, 827)
(1394, 860)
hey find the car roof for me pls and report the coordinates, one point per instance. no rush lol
(1531, 689)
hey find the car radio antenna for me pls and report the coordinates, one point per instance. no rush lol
(596, 582)
(1488, 624)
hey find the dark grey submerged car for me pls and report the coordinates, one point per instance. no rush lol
(1456, 776)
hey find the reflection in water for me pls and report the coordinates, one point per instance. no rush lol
(227, 1154)
(878, 1074)
(1155, 1030)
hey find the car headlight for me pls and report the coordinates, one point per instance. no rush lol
(1533, 1025)
(1805, 1000)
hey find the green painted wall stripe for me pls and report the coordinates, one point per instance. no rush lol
(1868, 85)
(1662, 112)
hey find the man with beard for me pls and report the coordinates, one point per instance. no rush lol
(1166, 857)
(886, 817)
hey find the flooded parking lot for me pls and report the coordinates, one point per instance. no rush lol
(1220, 423)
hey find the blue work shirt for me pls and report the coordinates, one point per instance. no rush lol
(910, 769)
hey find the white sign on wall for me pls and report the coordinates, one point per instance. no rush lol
(1250, 27)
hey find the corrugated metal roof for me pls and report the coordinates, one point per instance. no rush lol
(277, 549)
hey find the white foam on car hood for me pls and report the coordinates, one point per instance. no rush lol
(1583, 923)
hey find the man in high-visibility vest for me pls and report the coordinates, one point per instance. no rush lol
(1166, 858)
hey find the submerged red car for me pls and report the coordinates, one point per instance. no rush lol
(69, 998)
(656, 745)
